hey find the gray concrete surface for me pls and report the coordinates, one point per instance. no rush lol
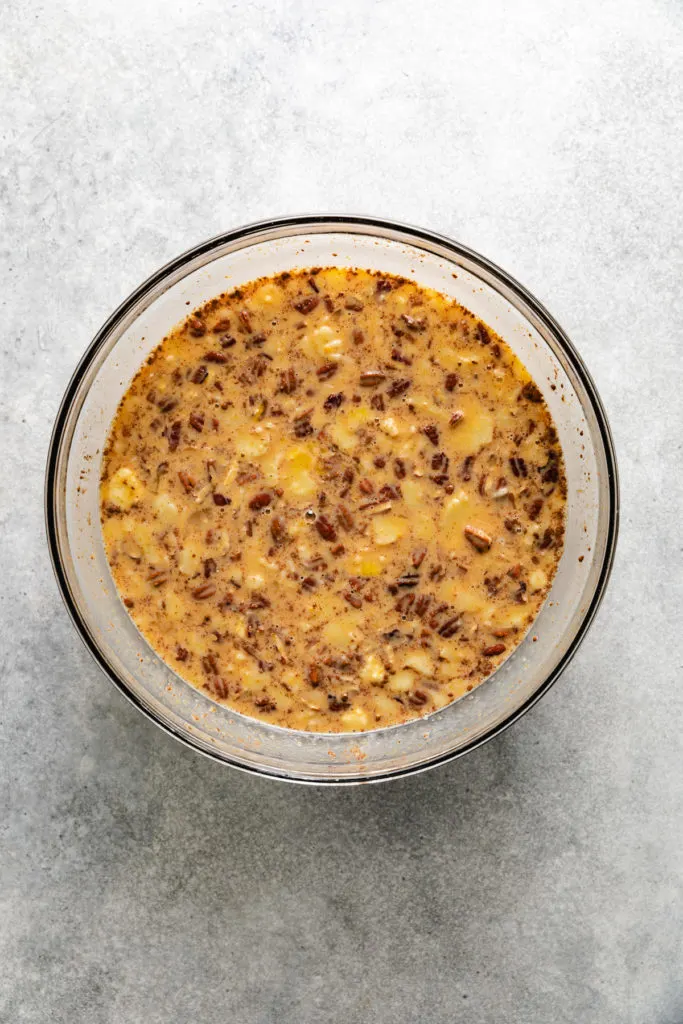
(538, 880)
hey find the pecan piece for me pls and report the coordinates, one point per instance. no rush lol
(196, 421)
(260, 500)
(419, 557)
(449, 628)
(518, 466)
(398, 387)
(306, 305)
(531, 392)
(333, 401)
(418, 698)
(452, 381)
(278, 530)
(174, 436)
(405, 603)
(203, 591)
(196, 327)
(432, 432)
(157, 577)
(483, 334)
(325, 528)
(414, 323)
(327, 370)
(493, 650)
(372, 378)
(265, 704)
(215, 357)
(337, 703)
(288, 382)
(345, 517)
(466, 471)
(199, 375)
(245, 321)
(479, 539)
(355, 600)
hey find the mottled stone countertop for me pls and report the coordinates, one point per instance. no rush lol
(540, 878)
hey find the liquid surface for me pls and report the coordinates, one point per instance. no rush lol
(333, 500)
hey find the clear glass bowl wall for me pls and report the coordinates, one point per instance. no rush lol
(73, 515)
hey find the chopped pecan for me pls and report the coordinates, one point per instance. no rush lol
(345, 517)
(306, 305)
(196, 327)
(326, 528)
(337, 703)
(531, 392)
(186, 480)
(432, 432)
(327, 370)
(452, 381)
(199, 375)
(398, 387)
(288, 382)
(414, 323)
(479, 539)
(261, 500)
(483, 334)
(450, 627)
(174, 435)
(278, 529)
(333, 401)
(372, 378)
(513, 525)
(466, 471)
(203, 591)
(518, 466)
(157, 577)
(245, 321)
(405, 603)
(419, 557)
(196, 421)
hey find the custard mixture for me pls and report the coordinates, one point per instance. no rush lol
(333, 500)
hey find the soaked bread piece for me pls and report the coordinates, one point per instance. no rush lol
(333, 500)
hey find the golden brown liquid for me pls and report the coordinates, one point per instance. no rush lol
(333, 500)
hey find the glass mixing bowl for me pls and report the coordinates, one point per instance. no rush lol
(73, 523)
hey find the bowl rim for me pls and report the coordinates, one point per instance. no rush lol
(299, 223)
